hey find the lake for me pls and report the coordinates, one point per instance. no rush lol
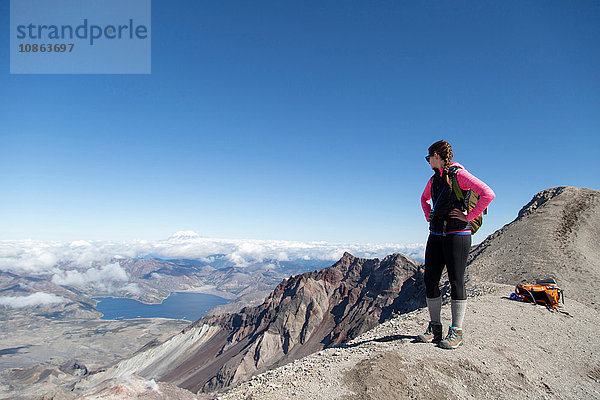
(188, 306)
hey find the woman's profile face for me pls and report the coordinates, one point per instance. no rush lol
(436, 161)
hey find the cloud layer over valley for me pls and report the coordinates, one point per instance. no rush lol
(95, 260)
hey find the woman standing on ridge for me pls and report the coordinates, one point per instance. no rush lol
(449, 239)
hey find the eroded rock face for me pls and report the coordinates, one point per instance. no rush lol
(318, 309)
(304, 314)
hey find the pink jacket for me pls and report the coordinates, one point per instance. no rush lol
(466, 181)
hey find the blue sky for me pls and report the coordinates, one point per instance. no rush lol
(303, 120)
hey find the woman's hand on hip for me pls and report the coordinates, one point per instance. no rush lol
(458, 214)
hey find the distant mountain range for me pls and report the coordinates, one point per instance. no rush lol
(149, 280)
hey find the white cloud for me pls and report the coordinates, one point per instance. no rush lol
(80, 243)
(26, 256)
(184, 235)
(35, 299)
(132, 288)
(103, 275)
(270, 267)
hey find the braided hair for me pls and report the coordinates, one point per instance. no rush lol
(444, 150)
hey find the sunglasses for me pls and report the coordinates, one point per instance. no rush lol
(427, 158)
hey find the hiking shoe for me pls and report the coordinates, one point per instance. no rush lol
(432, 334)
(453, 339)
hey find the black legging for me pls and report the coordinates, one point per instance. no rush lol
(451, 251)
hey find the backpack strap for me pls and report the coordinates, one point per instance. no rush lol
(456, 186)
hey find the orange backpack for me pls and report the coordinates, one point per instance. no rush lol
(545, 292)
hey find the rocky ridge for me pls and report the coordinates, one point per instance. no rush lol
(557, 234)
